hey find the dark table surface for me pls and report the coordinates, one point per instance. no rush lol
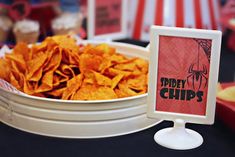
(219, 140)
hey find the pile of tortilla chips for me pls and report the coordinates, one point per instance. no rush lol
(59, 68)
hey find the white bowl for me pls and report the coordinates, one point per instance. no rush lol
(78, 119)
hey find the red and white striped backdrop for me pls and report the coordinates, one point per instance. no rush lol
(202, 14)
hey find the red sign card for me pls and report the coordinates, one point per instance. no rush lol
(183, 66)
(183, 74)
(108, 16)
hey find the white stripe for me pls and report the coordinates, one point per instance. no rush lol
(189, 16)
(131, 16)
(169, 13)
(149, 12)
(217, 15)
(205, 13)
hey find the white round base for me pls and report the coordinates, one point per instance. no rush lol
(178, 138)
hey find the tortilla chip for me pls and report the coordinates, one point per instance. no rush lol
(66, 43)
(142, 65)
(14, 81)
(116, 80)
(105, 48)
(118, 58)
(66, 69)
(125, 89)
(5, 69)
(102, 80)
(90, 62)
(138, 83)
(62, 77)
(89, 77)
(131, 66)
(22, 49)
(18, 61)
(37, 75)
(57, 93)
(35, 64)
(228, 94)
(92, 92)
(113, 72)
(28, 88)
(19, 77)
(47, 83)
(56, 80)
(54, 61)
(72, 86)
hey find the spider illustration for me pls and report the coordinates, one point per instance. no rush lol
(197, 74)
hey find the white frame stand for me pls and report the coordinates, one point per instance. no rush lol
(178, 137)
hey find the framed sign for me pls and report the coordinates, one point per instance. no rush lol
(107, 19)
(184, 67)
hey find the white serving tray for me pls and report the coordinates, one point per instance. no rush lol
(78, 119)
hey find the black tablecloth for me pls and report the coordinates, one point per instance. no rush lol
(218, 139)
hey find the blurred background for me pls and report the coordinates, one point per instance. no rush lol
(33, 20)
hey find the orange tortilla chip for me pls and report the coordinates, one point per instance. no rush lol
(56, 80)
(131, 66)
(92, 92)
(142, 65)
(114, 72)
(72, 86)
(105, 48)
(66, 43)
(138, 83)
(14, 66)
(5, 69)
(118, 58)
(35, 64)
(89, 77)
(18, 59)
(22, 49)
(38, 94)
(14, 81)
(66, 69)
(28, 88)
(125, 89)
(56, 92)
(116, 80)
(102, 80)
(47, 83)
(19, 77)
(54, 61)
(105, 64)
(63, 77)
(120, 93)
(37, 75)
(89, 62)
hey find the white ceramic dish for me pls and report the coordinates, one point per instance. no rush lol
(78, 119)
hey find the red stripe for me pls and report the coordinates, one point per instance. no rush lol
(159, 12)
(212, 15)
(198, 16)
(179, 13)
(139, 19)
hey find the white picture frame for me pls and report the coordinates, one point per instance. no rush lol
(109, 36)
(215, 37)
